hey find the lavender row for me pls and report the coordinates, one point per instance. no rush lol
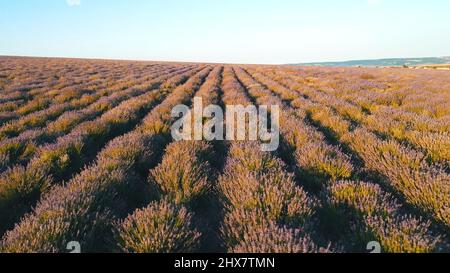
(264, 210)
(423, 133)
(37, 112)
(414, 92)
(59, 161)
(23, 147)
(325, 166)
(38, 98)
(183, 178)
(423, 186)
(35, 99)
(85, 208)
(24, 79)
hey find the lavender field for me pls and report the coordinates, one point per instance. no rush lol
(86, 155)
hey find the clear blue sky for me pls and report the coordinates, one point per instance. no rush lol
(237, 31)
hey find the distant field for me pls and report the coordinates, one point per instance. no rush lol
(412, 62)
(86, 155)
(438, 67)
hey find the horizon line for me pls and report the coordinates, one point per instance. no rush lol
(214, 62)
